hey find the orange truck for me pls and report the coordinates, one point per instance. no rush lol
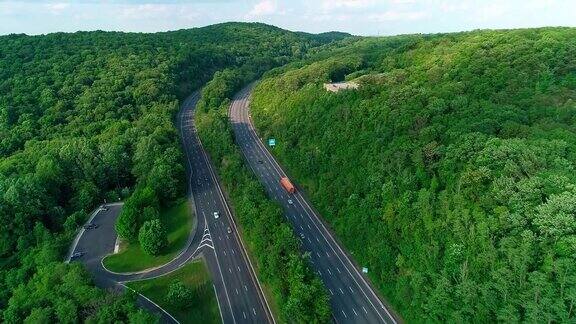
(287, 185)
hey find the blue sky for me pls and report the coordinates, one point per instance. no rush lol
(360, 17)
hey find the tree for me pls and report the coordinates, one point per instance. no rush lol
(153, 237)
(180, 295)
(127, 223)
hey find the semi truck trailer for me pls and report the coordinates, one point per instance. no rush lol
(287, 185)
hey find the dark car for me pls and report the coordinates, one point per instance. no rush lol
(260, 161)
(77, 255)
(90, 226)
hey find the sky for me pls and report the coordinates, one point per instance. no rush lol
(359, 17)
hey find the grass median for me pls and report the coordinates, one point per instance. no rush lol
(203, 307)
(131, 257)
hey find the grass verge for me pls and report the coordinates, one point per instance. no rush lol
(131, 257)
(204, 307)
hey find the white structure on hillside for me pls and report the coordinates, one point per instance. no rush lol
(337, 86)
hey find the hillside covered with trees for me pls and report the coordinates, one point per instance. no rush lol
(89, 116)
(449, 173)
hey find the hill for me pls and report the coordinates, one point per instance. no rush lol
(86, 117)
(449, 172)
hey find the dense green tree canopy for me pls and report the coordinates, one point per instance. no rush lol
(449, 173)
(152, 237)
(89, 116)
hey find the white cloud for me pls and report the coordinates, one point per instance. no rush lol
(450, 7)
(492, 11)
(57, 8)
(263, 8)
(329, 5)
(393, 15)
(145, 11)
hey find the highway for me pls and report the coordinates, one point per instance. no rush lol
(352, 298)
(238, 291)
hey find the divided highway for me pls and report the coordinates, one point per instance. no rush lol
(352, 298)
(238, 291)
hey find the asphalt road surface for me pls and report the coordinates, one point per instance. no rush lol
(352, 298)
(238, 292)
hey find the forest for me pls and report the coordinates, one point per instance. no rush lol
(87, 117)
(449, 172)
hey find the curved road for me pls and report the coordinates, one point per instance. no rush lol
(238, 291)
(352, 298)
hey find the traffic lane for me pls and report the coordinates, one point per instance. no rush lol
(220, 288)
(237, 276)
(374, 316)
(202, 190)
(328, 264)
(346, 308)
(246, 146)
(229, 277)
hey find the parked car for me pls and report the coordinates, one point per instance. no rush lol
(77, 255)
(90, 226)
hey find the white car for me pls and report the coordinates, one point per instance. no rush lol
(290, 201)
(216, 215)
